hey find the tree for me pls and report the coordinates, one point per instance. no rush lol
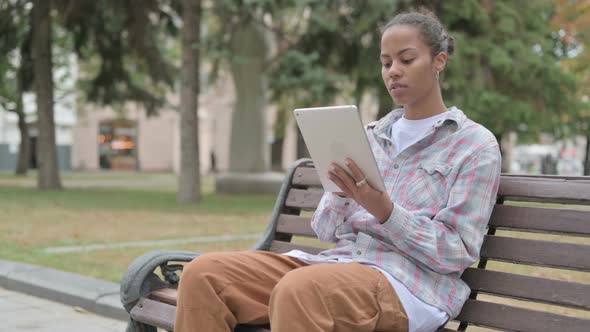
(505, 72)
(189, 180)
(48, 177)
(243, 34)
(249, 151)
(335, 54)
(121, 47)
(571, 22)
(16, 75)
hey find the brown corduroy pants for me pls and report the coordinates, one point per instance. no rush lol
(219, 290)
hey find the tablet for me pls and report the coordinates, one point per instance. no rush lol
(333, 134)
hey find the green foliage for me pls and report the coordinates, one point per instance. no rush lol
(302, 78)
(336, 51)
(15, 56)
(122, 47)
(505, 73)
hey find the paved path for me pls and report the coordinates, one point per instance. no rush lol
(21, 312)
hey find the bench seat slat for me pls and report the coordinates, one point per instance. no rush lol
(296, 225)
(536, 252)
(283, 247)
(565, 221)
(154, 313)
(570, 294)
(567, 189)
(162, 314)
(303, 199)
(510, 318)
(541, 189)
(306, 176)
(166, 295)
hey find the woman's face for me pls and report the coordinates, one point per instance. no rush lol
(407, 66)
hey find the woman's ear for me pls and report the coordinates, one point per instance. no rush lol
(440, 61)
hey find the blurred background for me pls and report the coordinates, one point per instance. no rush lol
(119, 110)
(110, 88)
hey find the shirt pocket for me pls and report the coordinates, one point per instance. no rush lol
(428, 189)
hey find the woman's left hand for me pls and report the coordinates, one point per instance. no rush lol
(377, 203)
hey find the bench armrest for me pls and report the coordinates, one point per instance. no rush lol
(140, 279)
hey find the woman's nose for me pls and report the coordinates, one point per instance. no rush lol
(394, 71)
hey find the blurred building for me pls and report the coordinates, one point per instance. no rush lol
(64, 117)
(105, 139)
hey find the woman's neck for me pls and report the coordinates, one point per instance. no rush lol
(426, 107)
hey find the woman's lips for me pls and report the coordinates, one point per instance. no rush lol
(397, 89)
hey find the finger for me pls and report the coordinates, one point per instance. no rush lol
(340, 184)
(357, 174)
(338, 181)
(346, 179)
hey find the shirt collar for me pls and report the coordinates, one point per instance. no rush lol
(453, 116)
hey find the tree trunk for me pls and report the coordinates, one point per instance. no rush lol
(48, 176)
(189, 189)
(22, 165)
(506, 142)
(280, 126)
(249, 149)
(587, 157)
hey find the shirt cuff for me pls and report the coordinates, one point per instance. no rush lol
(399, 219)
(339, 204)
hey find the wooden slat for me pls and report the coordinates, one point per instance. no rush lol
(566, 221)
(509, 318)
(154, 313)
(162, 315)
(283, 247)
(535, 252)
(570, 294)
(304, 199)
(306, 176)
(296, 225)
(547, 176)
(166, 295)
(545, 189)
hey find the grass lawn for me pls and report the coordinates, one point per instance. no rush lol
(141, 207)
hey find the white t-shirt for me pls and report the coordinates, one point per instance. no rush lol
(405, 133)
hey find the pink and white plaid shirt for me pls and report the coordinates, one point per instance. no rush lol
(443, 188)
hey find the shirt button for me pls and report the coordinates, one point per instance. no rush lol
(358, 252)
(396, 166)
(346, 204)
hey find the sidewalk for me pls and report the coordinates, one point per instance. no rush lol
(36, 298)
(21, 312)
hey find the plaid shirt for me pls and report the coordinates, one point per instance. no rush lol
(443, 188)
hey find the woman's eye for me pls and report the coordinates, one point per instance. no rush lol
(386, 64)
(407, 61)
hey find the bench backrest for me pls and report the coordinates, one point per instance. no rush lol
(534, 271)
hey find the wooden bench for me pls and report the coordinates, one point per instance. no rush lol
(509, 290)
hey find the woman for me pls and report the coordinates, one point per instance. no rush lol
(400, 253)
